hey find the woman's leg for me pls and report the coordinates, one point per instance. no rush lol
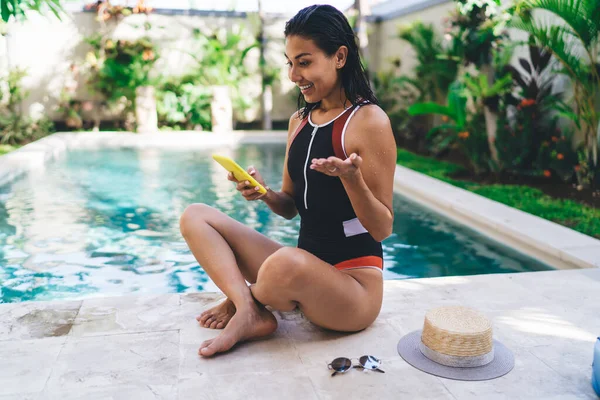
(229, 252)
(344, 301)
(348, 300)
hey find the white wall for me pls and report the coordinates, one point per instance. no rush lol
(386, 46)
(46, 47)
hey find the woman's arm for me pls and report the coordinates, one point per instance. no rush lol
(368, 173)
(371, 187)
(282, 203)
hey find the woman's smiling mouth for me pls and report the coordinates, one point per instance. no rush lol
(305, 88)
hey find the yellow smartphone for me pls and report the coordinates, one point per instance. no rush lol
(238, 172)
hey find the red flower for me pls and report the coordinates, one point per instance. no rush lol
(527, 102)
(547, 173)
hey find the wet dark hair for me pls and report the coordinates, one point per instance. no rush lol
(329, 29)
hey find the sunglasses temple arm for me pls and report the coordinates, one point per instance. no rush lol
(334, 373)
(379, 370)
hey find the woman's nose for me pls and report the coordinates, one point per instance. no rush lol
(294, 77)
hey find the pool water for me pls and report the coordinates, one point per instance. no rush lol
(102, 223)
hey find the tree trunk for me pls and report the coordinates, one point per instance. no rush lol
(491, 116)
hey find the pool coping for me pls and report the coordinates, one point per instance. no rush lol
(551, 243)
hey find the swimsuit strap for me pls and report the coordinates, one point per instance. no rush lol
(339, 131)
(302, 125)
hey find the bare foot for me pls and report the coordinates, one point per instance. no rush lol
(218, 316)
(250, 323)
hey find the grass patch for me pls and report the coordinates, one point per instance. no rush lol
(569, 213)
(4, 148)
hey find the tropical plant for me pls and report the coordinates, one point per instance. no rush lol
(181, 104)
(15, 128)
(106, 11)
(467, 132)
(396, 94)
(220, 57)
(482, 93)
(17, 8)
(438, 62)
(556, 157)
(120, 66)
(533, 122)
(454, 115)
(575, 42)
(479, 25)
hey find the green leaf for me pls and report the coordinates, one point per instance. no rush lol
(558, 40)
(4, 10)
(577, 14)
(430, 108)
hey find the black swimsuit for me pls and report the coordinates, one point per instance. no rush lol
(329, 228)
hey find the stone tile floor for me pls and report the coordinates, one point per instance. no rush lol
(145, 347)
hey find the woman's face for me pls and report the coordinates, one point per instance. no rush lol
(311, 70)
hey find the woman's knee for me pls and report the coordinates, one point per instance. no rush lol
(281, 268)
(193, 215)
(276, 283)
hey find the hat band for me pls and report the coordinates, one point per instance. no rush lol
(456, 361)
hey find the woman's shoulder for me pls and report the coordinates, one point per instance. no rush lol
(295, 121)
(371, 115)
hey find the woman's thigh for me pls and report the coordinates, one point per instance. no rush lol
(342, 301)
(250, 247)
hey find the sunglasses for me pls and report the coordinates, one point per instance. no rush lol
(343, 364)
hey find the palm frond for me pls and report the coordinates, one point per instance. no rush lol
(576, 13)
(555, 39)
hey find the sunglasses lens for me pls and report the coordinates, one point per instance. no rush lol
(341, 364)
(370, 362)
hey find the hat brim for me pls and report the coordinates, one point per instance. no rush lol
(503, 363)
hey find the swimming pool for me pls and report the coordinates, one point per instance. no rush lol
(106, 222)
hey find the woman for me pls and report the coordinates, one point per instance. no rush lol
(338, 174)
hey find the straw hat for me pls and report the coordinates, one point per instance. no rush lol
(456, 342)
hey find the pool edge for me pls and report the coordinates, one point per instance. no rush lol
(549, 242)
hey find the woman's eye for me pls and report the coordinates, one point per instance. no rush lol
(302, 63)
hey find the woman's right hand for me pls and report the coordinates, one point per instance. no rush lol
(249, 192)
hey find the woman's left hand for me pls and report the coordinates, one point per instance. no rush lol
(334, 166)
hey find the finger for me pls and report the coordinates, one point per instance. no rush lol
(251, 170)
(318, 161)
(330, 171)
(251, 193)
(231, 178)
(355, 159)
(242, 185)
(334, 162)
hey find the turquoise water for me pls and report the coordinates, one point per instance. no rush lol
(101, 223)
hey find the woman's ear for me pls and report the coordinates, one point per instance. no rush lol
(341, 56)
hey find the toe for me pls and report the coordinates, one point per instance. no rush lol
(220, 325)
(203, 317)
(208, 321)
(216, 346)
(213, 324)
(204, 345)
